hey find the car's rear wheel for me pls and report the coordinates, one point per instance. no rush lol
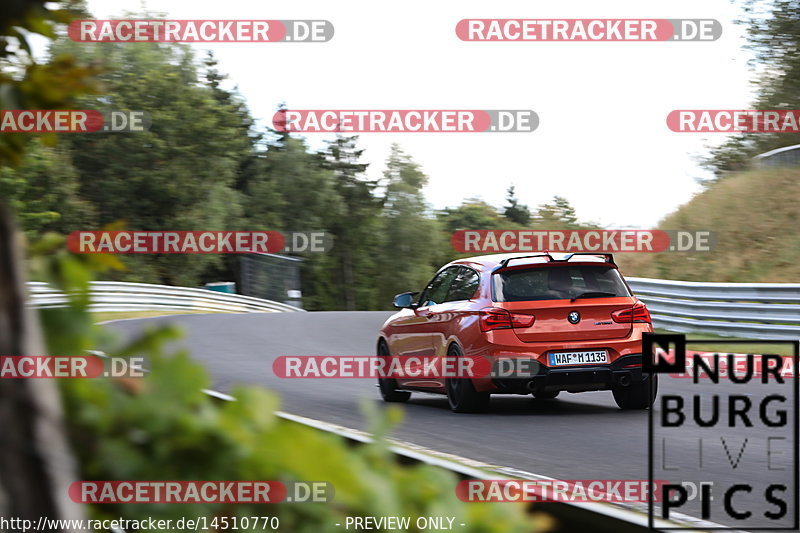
(546, 395)
(388, 386)
(461, 393)
(636, 395)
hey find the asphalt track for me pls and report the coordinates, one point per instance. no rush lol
(577, 436)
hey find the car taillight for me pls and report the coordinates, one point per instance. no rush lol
(494, 318)
(637, 313)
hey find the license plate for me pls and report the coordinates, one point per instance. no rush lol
(579, 358)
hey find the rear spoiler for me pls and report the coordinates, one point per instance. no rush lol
(607, 258)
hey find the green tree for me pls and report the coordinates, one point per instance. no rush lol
(514, 211)
(473, 213)
(557, 214)
(178, 175)
(28, 84)
(303, 183)
(410, 236)
(355, 225)
(774, 37)
(43, 191)
(300, 194)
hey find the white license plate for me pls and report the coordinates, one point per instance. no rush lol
(579, 358)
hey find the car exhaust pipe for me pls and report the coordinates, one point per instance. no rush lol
(531, 386)
(624, 380)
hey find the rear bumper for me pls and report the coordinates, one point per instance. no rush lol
(622, 372)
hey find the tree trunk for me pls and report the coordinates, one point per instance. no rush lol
(36, 466)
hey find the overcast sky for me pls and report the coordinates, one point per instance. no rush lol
(602, 141)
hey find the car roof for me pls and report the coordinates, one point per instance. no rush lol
(491, 261)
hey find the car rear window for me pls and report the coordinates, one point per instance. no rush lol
(557, 283)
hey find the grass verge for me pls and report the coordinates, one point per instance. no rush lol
(118, 315)
(719, 344)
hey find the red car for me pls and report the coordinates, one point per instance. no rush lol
(572, 317)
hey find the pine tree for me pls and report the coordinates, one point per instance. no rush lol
(514, 211)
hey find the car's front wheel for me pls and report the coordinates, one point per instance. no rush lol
(461, 393)
(636, 395)
(388, 386)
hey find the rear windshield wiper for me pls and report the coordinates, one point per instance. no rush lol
(592, 294)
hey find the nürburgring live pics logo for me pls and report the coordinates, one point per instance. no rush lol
(726, 439)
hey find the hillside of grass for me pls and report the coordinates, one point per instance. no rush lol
(756, 218)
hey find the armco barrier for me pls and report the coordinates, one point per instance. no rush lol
(119, 296)
(748, 310)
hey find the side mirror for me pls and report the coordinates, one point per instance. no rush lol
(405, 300)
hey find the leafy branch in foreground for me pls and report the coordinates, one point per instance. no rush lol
(163, 427)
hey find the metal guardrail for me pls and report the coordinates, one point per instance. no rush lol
(110, 296)
(750, 310)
